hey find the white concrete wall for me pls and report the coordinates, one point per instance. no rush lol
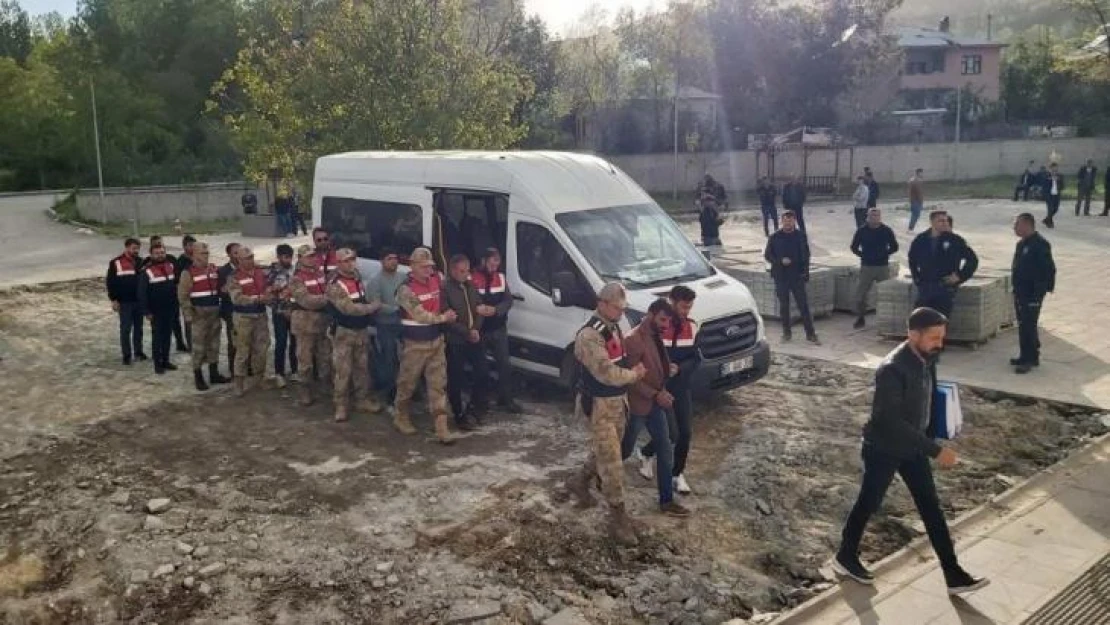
(189, 203)
(891, 163)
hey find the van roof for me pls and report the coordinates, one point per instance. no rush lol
(564, 181)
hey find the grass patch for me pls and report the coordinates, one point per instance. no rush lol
(213, 226)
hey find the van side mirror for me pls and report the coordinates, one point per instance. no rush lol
(567, 292)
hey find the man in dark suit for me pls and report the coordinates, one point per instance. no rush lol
(1085, 181)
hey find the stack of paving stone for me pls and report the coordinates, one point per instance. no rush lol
(847, 281)
(893, 305)
(978, 312)
(1005, 299)
(751, 270)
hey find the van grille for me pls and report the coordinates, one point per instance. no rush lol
(727, 336)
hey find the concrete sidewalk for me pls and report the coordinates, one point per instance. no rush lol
(1031, 543)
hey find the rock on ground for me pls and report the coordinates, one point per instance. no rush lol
(469, 611)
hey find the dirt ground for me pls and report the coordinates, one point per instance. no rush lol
(277, 515)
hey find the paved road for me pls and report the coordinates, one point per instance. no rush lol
(1076, 354)
(38, 250)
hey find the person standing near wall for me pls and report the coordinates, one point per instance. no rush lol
(859, 201)
(1086, 182)
(1025, 182)
(710, 221)
(917, 197)
(794, 199)
(1052, 187)
(767, 194)
(873, 186)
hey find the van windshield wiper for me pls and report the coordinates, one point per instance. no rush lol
(630, 281)
(679, 278)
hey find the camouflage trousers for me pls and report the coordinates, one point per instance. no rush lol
(351, 363)
(206, 327)
(606, 431)
(313, 345)
(427, 359)
(252, 344)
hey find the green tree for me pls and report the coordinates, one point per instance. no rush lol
(15, 31)
(396, 75)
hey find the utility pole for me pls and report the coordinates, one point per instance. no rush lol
(99, 166)
(674, 174)
(956, 152)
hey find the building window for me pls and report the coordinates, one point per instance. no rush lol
(972, 64)
(367, 226)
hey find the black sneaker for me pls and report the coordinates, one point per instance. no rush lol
(960, 582)
(860, 322)
(466, 424)
(141, 356)
(169, 366)
(852, 568)
(813, 339)
(127, 360)
(786, 338)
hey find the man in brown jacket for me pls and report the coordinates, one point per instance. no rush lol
(648, 399)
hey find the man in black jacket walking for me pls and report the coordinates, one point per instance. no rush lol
(940, 261)
(1052, 187)
(788, 252)
(1033, 276)
(897, 440)
(122, 283)
(1085, 185)
(874, 243)
(794, 199)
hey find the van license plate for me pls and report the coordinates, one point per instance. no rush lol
(736, 366)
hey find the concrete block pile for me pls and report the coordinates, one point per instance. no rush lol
(752, 271)
(847, 281)
(977, 316)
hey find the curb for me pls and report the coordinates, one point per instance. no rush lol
(997, 507)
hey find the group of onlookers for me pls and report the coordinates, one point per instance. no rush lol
(1048, 184)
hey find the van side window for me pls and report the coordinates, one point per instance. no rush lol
(367, 226)
(469, 222)
(540, 256)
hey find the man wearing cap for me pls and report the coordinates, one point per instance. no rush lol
(352, 314)
(249, 297)
(423, 353)
(603, 381)
(309, 323)
(199, 297)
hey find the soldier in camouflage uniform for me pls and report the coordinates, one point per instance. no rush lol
(250, 295)
(199, 297)
(423, 353)
(309, 322)
(352, 315)
(602, 395)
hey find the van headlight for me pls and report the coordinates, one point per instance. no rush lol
(634, 316)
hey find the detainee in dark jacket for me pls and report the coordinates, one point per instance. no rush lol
(222, 274)
(787, 252)
(122, 283)
(464, 344)
(897, 440)
(178, 335)
(940, 261)
(1033, 276)
(158, 301)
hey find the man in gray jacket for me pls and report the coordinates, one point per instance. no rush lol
(897, 440)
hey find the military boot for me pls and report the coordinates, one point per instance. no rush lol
(198, 379)
(304, 394)
(214, 375)
(621, 527)
(443, 433)
(370, 404)
(240, 386)
(579, 486)
(341, 414)
(403, 424)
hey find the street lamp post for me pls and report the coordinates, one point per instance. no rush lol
(99, 166)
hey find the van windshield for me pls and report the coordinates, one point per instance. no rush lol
(639, 245)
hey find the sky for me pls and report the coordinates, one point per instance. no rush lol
(558, 14)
